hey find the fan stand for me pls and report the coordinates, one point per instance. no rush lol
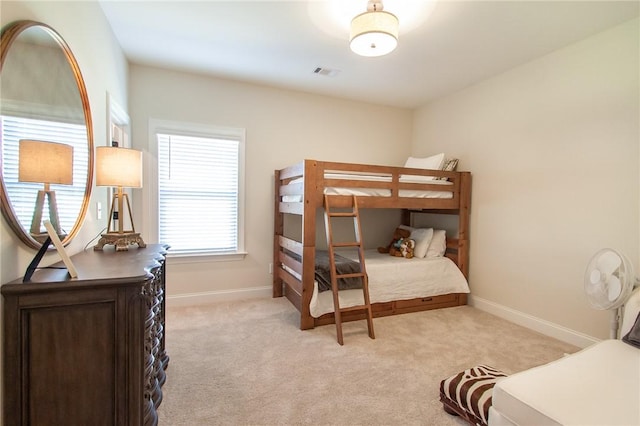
(615, 323)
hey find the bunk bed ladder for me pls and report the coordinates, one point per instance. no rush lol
(358, 244)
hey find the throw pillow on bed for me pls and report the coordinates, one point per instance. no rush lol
(430, 163)
(633, 336)
(449, 165)
(422, 237)
(438, 245)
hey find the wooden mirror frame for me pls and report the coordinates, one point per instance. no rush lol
(7, 37)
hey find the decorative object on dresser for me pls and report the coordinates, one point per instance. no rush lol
(122, 168)
(87, 350)
(52, 238)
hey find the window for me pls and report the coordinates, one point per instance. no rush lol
(200, 189)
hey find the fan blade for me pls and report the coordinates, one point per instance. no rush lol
(596, 277)
(614, 289)
(608, 262)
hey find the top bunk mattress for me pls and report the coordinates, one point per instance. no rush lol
(378, 192)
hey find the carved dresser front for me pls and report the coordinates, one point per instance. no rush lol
(88, 350)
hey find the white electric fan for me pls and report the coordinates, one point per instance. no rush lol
(608, 282)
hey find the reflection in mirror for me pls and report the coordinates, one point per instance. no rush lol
(46, 163)
(43, 98)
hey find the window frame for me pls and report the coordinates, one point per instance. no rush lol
(198, 130)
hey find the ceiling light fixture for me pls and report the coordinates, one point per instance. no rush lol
(374, 32)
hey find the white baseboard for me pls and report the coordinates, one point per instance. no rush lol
(534, 323)
(207, 297)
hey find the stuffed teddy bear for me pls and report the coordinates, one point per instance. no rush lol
(406, 248)
(394, 246)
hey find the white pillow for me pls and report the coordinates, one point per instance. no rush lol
(422, 237)
(438, 245)
(430, 163)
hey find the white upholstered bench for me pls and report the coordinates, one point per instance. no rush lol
(599, 385)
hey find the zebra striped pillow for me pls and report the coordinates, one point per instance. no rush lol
(470, 390)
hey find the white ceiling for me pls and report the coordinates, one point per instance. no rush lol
(280, 43)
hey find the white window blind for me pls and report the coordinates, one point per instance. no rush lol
(199, 192)
(23, 194)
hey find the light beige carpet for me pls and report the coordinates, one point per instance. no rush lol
(247, 363)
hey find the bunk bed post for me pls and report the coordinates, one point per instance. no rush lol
(463, 225)
(308, 242)
(405, 217)
(278, 228)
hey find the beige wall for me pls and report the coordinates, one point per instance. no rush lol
(282, 128)
(553, 148)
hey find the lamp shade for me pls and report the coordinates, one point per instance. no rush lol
(45, 162)
(374, 33)
(118, 167)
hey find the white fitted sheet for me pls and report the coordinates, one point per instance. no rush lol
(377, 192)
(396, 278)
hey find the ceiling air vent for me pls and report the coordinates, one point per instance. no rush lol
(326, 72)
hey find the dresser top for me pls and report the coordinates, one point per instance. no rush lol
(95, 268)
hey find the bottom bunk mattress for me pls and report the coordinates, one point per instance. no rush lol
(396, 278)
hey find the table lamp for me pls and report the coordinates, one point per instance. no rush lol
(47, 163)
(121, 168)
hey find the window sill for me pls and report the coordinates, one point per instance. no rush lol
(201, 257)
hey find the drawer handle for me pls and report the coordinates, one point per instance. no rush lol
(427, 299)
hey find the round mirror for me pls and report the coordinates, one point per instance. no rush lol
(46, 135)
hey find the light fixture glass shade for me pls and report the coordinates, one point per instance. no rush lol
(374, 33)
(45, 162)
(117, 166)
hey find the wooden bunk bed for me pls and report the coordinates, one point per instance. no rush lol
(299, 190)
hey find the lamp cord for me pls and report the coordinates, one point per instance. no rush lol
(94, 238)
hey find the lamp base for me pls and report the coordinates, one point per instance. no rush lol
(122, 241)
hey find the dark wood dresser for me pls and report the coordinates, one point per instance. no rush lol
(88, 350)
